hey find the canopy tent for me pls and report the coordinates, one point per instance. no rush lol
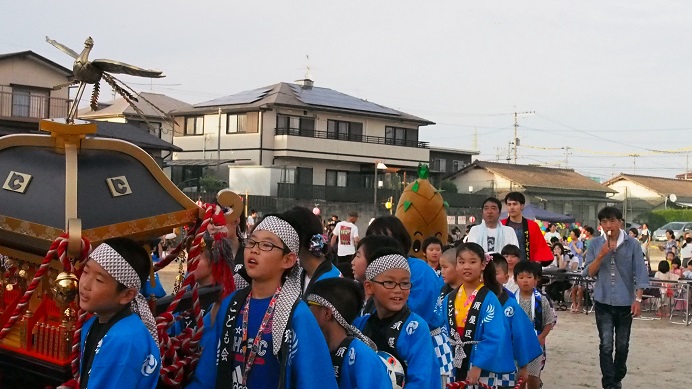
(532, 212)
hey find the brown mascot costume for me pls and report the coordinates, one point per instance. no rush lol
(423, 212)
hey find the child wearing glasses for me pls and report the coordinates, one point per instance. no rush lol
(335, 302)
(263, 336)
(474, 321)
(393, 327)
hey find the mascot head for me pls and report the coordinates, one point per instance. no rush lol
(423, 212)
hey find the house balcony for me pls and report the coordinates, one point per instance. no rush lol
(331, 193)
(292, 142)
(27, 108)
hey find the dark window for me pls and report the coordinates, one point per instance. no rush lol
(28, 102)
(304, 175)
(457, 165)
(194, 125)
(400, 136)
(439, 165)
(342, 130)
(337, 178)
(296, 125)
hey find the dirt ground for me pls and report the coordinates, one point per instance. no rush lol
(659, 354)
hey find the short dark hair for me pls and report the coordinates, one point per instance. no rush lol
(515, 196)
(554, 240)
(430, 240)
(676, 261)
(576, 232)
(664, 267)
(353, 214)
(375, 245)
(306, 224)
(608, 213)
(511, 249)
(253, 210)
(492, 200)
(551, 225)
(500, 262)
(344, 294)
(634, 231)
(530, 267)
(590, 230)
(391, 226)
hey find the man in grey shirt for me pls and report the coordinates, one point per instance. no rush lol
(617, 261)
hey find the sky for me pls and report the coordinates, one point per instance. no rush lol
(609, 82)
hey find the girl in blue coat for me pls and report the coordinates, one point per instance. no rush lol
(475, 322)
(335, 302)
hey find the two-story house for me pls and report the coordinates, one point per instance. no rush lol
(300, 141)
(26, 91)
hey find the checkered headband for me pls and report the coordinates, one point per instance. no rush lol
(115, 265)
(282, 229)
(351, 330)
(384, 263)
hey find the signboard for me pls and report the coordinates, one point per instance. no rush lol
(461, 220)
(451, 219)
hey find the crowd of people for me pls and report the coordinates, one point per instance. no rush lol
(306, 306)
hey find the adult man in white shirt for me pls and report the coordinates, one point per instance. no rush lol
(346, 235)
(491, 234)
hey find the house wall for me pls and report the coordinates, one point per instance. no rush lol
(31, 72)
(479, 179)
(636, 199)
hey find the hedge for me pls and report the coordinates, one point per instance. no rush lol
(656, 219)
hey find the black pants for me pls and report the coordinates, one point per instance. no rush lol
(613, 322)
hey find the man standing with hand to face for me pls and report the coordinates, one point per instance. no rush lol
(616, 260)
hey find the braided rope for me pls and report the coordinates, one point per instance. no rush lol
(76, 341)
(180, 354)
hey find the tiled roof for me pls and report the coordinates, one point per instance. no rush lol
(294, 96)
(120, 107)
(664, 186)
(530, 176)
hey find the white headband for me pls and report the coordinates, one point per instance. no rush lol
(283, 230)
(384, 263)
(115, 265)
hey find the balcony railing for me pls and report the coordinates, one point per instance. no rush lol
(351, 137)
(331, 193)
(24, 106)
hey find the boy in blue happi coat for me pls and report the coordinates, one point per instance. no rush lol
(335, 302)
(118, 348)
(524, 340)
(475, 322)
(537, 307)
(263, 336)
(393, 327)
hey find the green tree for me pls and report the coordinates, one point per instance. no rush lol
(210, 184)
(448, 186)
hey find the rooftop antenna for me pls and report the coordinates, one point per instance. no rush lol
(306, 83)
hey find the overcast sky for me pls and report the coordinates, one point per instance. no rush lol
(607, 79)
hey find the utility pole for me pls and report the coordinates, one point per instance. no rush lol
(516, 126)
(634, 163)
(567, 157)
(475, 139)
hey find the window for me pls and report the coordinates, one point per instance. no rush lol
(28, 102)
(288, 175)
(295, 125)
(236, 123)
(194, 125)
(342, 130)
(439, 165)
(457, 165)
(401, 136)
(337, 178)
(152, 127)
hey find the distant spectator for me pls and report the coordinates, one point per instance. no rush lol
(552, 232)
(346, 238)
(251, 220)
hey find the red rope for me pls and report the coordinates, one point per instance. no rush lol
(180, 354)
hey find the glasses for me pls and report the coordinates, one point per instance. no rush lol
(264, 246)
(404, 285)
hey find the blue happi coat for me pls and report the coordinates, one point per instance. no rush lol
(415, 349)
(308, 363)
(126, 357)
(493, 354)
(362, 368)
(424, 293)
(525, 343)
